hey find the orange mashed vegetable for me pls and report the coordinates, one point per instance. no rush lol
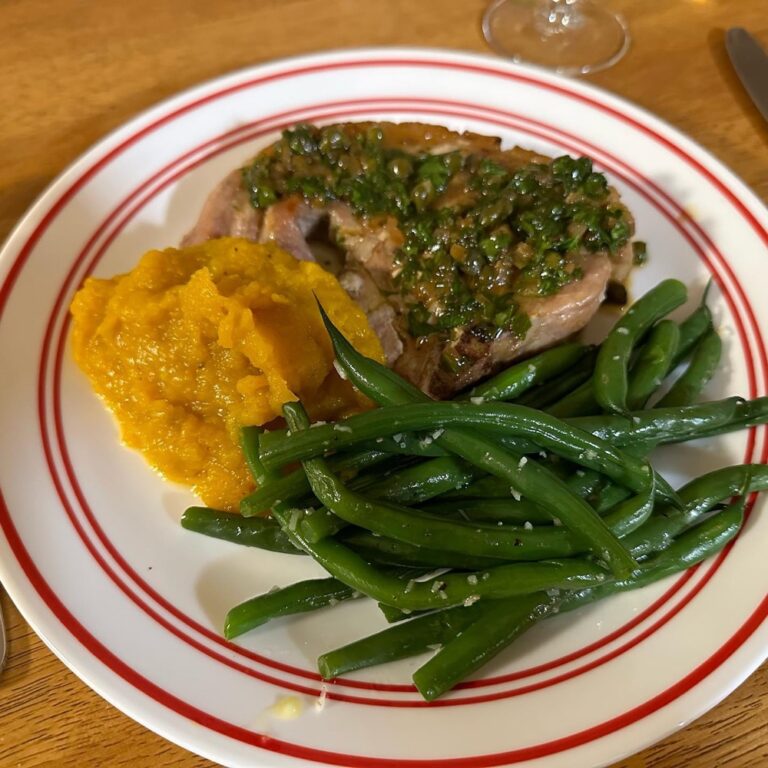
(196, 342)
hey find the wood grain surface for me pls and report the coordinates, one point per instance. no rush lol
(72, 71)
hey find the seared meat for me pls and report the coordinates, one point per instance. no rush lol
(553, 319)
(288, 223)
(530, 295)
(227, 212)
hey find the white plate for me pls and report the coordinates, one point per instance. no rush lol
(92, 552)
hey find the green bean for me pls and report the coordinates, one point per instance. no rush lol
(510, 512)
(395, 615)
(405, 444)
(320, 523)
(693, 328)
(698, 497)
(423, 444)
(534, 481)
(492, 632)
(479, 642)
(610, 377)
(499, 507)
(506, 620)
(449, 589)
(298, 598)
(502, 420)
(529, 478)
(295, 485)
(386, 551)
(553, 434)
(748, 413)
(291, 487)
(394, 438)
(609, 496)
(417, 636)
(423, 529)
(704, 362)
(689, 548)
(552, 391)
(549, 433)
(653, 363)
(663, 425)
(586, 483)
(493, 510)
(260, 532)
(630, 514)
(317, 522)
(250, 444)
(580, 402)
(374, 380)
(626, 515)
(265, 533)
(520, 446)
(512, 382)
(583, 482)
(421, 482)
(488, 487)
(411, 485)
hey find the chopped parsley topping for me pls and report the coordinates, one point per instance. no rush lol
(478, 234)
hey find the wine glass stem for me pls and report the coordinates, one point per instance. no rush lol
(554, 17)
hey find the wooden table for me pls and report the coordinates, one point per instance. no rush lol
(71, 71)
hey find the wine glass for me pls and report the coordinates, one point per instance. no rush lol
(570, 36)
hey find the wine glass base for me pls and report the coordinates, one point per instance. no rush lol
(577, 38)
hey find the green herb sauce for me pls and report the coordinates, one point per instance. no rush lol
(477, 236)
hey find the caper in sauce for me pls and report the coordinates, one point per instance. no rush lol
(477, 236)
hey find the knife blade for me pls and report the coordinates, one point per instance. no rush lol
(751, 64)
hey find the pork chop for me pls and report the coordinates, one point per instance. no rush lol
(464, 256)
(227, 212)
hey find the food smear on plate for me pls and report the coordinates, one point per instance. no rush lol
(197, 342)
(465, 256)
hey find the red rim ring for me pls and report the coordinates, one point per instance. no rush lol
(244, 135)
(571, 741)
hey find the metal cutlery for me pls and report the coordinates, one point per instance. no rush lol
(751, 64)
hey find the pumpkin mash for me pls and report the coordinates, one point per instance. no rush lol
(196, 342)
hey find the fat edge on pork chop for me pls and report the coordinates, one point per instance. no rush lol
(464, 256)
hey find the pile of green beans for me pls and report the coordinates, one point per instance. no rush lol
(524, 512)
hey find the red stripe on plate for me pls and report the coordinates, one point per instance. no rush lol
(721, 655)
(253, 738)
(219, 145)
